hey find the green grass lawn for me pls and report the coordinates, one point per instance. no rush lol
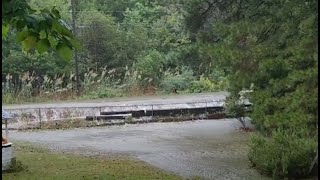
(39, 163)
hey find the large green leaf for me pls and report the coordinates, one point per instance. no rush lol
(29, 43)
(43, 45)
(43, 34)
(75, 43)
(5, 29)
(22, 35)
(56, 13)
(53, 41)
(64, 51)
(61, 29)
(32, 26)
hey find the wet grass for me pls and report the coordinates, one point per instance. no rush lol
(39, 163)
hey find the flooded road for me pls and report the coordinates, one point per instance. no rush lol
(211, 149)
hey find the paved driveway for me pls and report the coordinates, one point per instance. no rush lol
(212, 149)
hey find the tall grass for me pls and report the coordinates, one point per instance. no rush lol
(104, 84)
(35, 89)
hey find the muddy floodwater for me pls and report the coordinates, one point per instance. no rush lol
(210, 149)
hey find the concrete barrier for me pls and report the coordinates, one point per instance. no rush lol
(7, 156)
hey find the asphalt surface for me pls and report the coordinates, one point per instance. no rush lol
(211, 149)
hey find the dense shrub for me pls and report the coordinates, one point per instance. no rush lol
(205, 84)
(283, 154)
(149, 68)
(202, 85)
(180, 80)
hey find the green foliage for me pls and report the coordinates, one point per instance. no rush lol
(180, 80)
(40, 29)
(99, 86)
(213, 79)
(103, 92)
(137, 45)
(18, 64)
(272, 45)
(235, 108)
(101, 39)
(283, 155)
(59, 88)
(5, 29)
(202, 85)
(149, 68)
(63, 6)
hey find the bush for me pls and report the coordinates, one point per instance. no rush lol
(177, 81)
(149, 68)
(205, 84)
(283, 155)
(223, 84)
(202, 85)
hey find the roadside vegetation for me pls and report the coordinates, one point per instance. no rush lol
(100, 85)
(130, 48)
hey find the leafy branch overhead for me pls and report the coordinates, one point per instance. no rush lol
(37, 30)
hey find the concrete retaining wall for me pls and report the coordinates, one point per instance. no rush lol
(23, 118)
(32, 117)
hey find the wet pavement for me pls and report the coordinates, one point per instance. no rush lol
(211, 149)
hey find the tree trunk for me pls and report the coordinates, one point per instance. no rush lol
(242, 120)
